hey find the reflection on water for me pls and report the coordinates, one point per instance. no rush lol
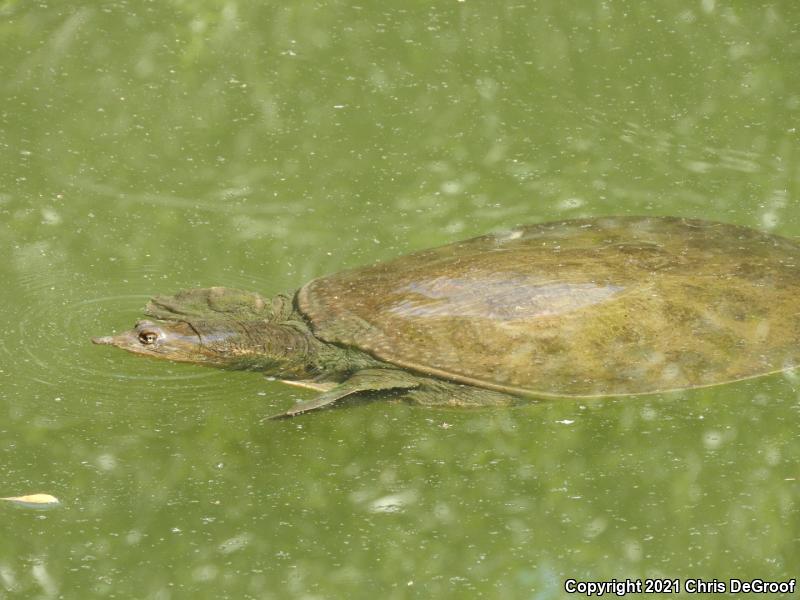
(230, 201)
(48, 336)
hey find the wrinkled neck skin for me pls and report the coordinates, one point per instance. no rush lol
(287, 349)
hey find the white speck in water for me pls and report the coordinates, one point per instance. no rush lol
(205, 573)
(568, 203)
(133, 537)
(566, 421)
(772, 455)
(50, 217)
(235, 543)
(451, 187)
(698, 166)
(712, 439)
(632, 550)
(106, 462)
(649, 413)
(392, 503)
(596, 527)
(769, 220)
(8, 577)
(44, 579)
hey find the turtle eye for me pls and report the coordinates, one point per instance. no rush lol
(148, 338)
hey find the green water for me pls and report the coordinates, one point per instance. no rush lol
(146, 147)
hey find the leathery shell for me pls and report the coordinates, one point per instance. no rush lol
(592, 307)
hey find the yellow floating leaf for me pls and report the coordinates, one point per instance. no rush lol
(34, 500)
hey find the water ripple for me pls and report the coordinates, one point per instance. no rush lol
(49, 343)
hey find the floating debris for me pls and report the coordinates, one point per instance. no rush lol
(34, 501)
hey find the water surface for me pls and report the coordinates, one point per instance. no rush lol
(150, 148)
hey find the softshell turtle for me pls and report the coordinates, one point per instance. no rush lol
(572, 309)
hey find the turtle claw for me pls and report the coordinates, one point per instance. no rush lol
(279, 416)
(302, 407)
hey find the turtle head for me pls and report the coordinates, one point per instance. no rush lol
(218, 327)
(172, 340)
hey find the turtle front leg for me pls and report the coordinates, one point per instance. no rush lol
(366, 380)
(421, 390)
